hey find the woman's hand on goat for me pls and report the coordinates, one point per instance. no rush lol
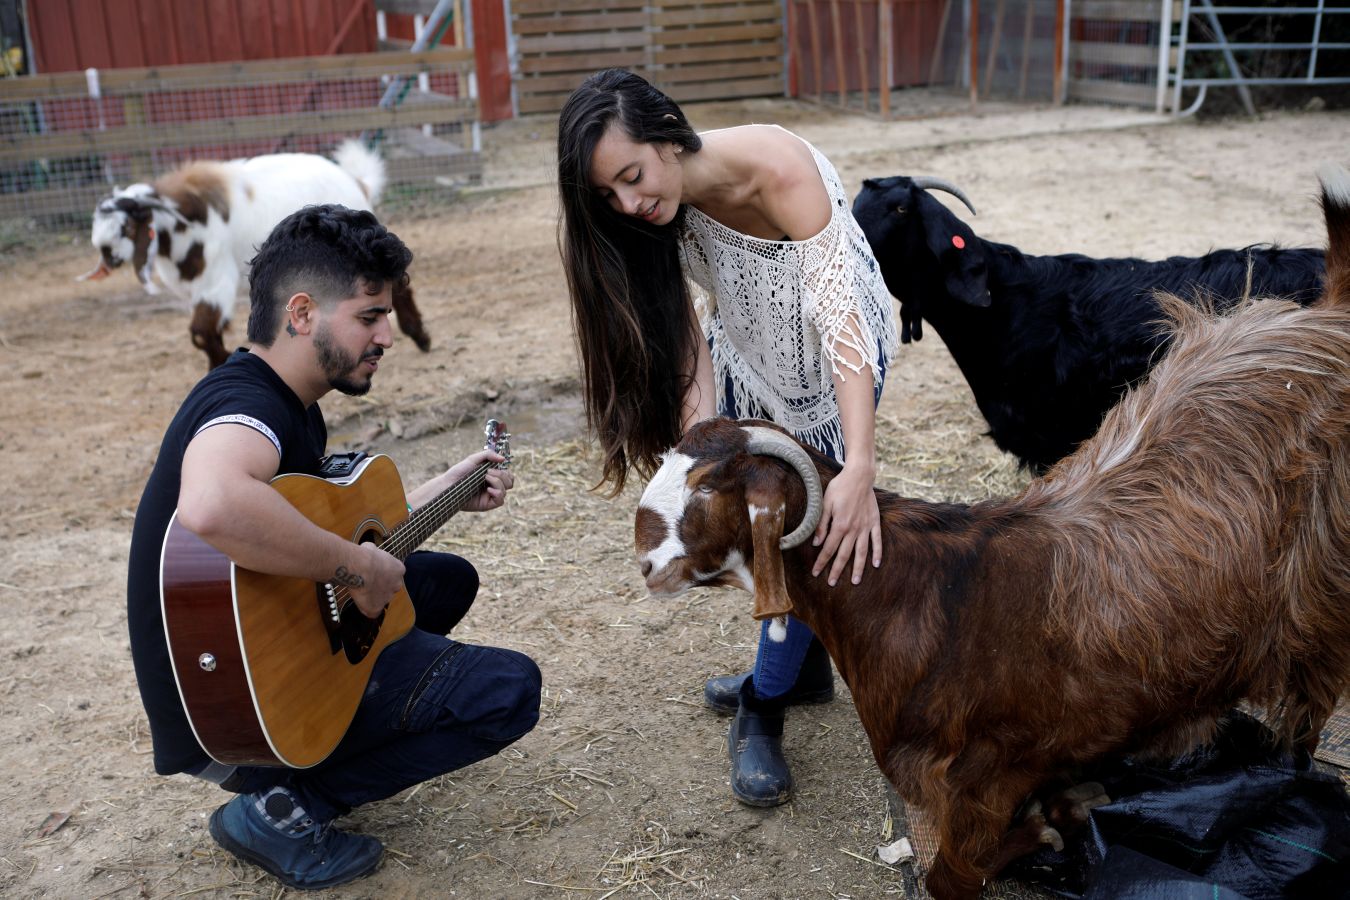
(850, 525)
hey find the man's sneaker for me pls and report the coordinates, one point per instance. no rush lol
(815, 684)
(270, 830)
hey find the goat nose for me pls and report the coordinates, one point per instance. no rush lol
(646, 568)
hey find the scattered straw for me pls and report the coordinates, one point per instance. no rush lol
(870, 862)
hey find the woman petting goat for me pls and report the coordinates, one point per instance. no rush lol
(787, 318)
(1193, 554)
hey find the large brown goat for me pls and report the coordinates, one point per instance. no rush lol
(1194, 554)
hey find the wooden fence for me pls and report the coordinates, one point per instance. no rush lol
(65, 138)
(692, 50)
(844, 50)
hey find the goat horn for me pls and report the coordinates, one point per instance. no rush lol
(767, 442)
(929, 183)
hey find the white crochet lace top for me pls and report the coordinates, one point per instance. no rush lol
(778, 313)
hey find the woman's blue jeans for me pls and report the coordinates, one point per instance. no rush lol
(433, 705)
(777, 663)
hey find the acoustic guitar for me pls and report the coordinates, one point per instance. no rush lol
(271, 669)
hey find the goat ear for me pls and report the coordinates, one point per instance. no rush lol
(766, 508)
(960, 254)
(140, 246)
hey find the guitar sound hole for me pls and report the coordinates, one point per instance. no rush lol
(357, 632)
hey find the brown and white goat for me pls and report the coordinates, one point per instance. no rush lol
(201, 225)
(1194, 554)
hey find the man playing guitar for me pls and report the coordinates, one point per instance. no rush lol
(320, 290)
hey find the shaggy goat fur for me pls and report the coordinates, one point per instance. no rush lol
(1194, 554)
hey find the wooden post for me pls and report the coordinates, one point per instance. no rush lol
(1026, 48)
(936, 64)
(489, 30)
(457, 36)
(840, 72)
(861, 37)
(815, 49)
(1059, 52)
(884, 57)
(993, 46)
(975, 52)
(794, 51)
(142, 161)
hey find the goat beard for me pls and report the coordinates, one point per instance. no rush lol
(338, 365)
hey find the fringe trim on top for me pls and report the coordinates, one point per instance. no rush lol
(760, 301)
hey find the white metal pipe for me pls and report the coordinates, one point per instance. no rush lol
(1317, 34)
(1181, 56)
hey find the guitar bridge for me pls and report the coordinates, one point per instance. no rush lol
(348, 629)
(328, 614)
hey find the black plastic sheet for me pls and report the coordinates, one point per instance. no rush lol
(1235, 819)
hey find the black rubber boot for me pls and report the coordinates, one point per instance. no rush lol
(759, 773)
(815, 684)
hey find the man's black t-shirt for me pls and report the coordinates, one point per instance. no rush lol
(244, 391)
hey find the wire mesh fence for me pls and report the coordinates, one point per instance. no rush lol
(68, 139)
(1114, 51)
(922, 58)
(1017, 50)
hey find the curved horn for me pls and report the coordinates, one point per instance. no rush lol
(767, 442)
(929, 183)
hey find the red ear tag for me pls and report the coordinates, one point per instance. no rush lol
(958, 242)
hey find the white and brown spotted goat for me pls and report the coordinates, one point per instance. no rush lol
(201, 225)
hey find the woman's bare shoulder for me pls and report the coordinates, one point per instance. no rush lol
(777, 157)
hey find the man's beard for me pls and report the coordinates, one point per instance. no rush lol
(339, 365)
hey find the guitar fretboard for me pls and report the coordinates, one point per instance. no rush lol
(426, 519)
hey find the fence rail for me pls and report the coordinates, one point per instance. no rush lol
(67, 138)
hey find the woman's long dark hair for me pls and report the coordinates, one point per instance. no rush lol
(630, 304)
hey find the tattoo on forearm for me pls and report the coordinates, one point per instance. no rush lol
(346, 578)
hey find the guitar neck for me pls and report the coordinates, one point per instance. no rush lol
(427, 518)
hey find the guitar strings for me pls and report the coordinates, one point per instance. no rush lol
(409, 534)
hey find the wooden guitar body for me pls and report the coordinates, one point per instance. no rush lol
(271, 669)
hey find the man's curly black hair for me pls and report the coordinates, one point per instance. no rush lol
(321, 251)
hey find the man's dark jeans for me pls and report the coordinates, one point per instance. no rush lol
(433, 705)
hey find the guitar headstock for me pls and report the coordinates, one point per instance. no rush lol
(498, 440)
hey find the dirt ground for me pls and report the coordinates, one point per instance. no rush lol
(622, 788)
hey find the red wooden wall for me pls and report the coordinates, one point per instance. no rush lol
(70, 35)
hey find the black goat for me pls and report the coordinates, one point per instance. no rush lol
(1048, 343)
